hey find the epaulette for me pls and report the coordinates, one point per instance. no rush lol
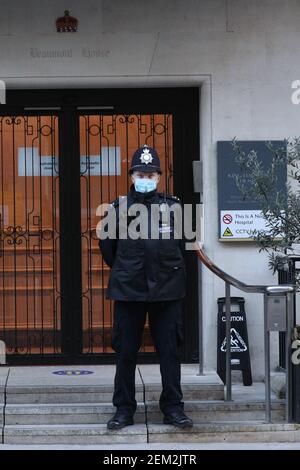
(174, 198)
(170, 197)
(116, 202)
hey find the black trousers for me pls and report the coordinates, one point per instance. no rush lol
(165, 321)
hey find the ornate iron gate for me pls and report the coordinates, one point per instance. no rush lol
(58, 162)
(107, 143)
(30, 315)
(30, 293)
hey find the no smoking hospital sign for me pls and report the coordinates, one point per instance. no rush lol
(239, 224)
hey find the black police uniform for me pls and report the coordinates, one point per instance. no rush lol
(145, 270)
(148, 276)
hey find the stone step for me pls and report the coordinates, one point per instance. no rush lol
(63, 394)
(206, 411)
(102, 394)
(73, 434)
(74, 413)
(1, 415)
(100, 413)
(3, 379)
(252, 431)
(194, 386)
(190, 392)
(94, 384)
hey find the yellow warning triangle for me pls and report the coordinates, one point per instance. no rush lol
(228, 233)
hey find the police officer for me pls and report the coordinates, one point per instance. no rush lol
(147, 276)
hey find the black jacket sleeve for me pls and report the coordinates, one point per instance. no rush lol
(108, 250)
(108, 246)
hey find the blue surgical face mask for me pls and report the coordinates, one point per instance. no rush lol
(144, 185)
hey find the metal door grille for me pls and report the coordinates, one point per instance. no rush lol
(59, 159)
(29, 235)
(107, 143)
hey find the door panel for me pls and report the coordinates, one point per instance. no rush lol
(29, 234)
(107, 143)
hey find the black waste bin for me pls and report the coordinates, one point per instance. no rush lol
(287, 276)
(296, 376)
(240, 357)
(296, 393)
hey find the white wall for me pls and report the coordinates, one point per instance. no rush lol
(247, 51)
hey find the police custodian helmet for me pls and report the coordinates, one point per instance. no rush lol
(145, 159)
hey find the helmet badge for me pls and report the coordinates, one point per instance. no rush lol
(146, 156)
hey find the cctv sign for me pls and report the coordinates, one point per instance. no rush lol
(241, 224)
(240, 217)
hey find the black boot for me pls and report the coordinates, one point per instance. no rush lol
(178, 419)
(120, 420)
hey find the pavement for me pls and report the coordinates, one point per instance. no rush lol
(157, 446)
